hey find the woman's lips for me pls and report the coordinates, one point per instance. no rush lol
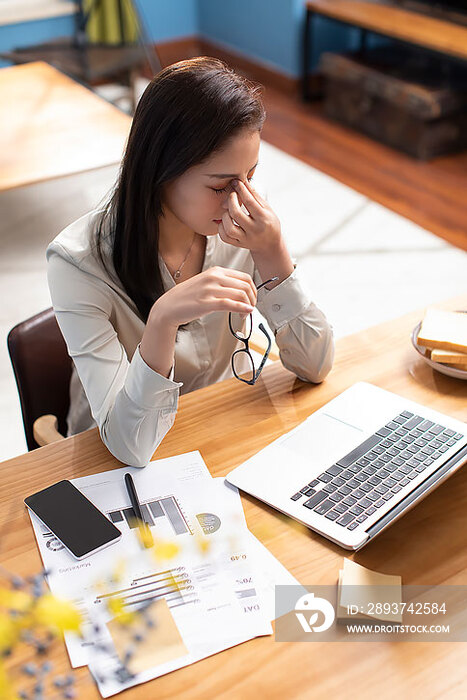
(217, 221)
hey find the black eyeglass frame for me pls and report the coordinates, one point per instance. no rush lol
(245, 341)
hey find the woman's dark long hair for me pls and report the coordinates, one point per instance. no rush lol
(188, 111)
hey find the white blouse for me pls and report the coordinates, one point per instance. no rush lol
(132, 405)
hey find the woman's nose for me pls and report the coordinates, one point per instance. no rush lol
(225, 203)
(230, 192)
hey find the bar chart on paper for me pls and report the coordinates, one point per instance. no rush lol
(164, 514)
(156, 513)
(175, 585)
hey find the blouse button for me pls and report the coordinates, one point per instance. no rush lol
(276, 307)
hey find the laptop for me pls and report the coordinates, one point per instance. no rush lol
(357, 464)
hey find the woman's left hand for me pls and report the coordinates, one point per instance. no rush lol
(259, 230)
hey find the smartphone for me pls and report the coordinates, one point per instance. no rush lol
(73, 519)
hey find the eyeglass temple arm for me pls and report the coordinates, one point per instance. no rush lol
(263, 284)
(266, 354)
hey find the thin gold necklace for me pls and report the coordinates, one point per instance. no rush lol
(177, 274)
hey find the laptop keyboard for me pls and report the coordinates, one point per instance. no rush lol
(372, 474)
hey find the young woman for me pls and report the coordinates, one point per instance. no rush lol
(142, 290)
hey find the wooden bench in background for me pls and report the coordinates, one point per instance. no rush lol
(386, 18)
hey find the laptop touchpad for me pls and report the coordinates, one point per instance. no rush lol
(322, 440)
(289, 463)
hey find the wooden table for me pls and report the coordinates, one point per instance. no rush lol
(230, 421)
(387, 19)
(51, 126)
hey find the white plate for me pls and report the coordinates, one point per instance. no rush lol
(438, 366)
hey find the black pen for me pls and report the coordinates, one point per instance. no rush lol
(146, 535)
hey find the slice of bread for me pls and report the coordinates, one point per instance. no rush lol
(449, 357)
(446, 330)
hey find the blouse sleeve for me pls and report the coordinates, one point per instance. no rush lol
(302, 333)
(134, 406)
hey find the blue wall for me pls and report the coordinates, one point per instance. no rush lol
(163, 20)
(169, 19)
(268, 31)
(271, 31)
(26, 33)
(264, 29)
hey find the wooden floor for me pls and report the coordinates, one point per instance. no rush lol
(432, 194)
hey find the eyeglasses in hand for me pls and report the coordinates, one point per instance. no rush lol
(242, 332)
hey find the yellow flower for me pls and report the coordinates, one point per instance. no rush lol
(9, 631)
(144, 534)
(116, 606)
(6, 689)
(56, 614)
(165, 550)
(19, 601)
(203, 544)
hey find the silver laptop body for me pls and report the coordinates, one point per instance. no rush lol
(352, 468)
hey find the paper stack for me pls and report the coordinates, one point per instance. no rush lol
(206, 586)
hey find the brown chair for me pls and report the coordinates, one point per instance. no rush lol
(42, 370)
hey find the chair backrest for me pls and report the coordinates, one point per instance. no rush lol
(42, 370)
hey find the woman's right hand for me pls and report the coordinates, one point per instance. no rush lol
(215, 289)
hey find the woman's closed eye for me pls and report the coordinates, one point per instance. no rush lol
(224, 189)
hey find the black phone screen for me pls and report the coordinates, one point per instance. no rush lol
(72, 518)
